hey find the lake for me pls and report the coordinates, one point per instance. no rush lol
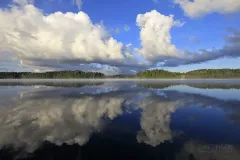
(120, 119)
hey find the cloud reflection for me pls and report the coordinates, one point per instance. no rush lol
(29, 121)
(33, 115)
(155, 121)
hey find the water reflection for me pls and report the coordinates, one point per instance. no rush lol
(160, 120)
(36, 117)
(155, 120)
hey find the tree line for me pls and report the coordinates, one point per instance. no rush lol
(157, 73)
(50, 75)
(214, 73)
(201, 73)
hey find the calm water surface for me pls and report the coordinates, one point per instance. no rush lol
(164, 120)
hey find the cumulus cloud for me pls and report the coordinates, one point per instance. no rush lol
(157, 46)
(72, 41)
(90, 43)
(58, 38)
(199, 8)
(155, 36)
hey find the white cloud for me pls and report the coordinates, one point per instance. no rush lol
(199, 8)
(155, 1)
(126, 28)
(35, 38)
(65, 40)
(157, 47)
(155, 35)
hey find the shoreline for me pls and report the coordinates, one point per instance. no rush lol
(116, 79)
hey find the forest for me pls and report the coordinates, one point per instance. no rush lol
(157, 73)
(201, 73)
(50, 75)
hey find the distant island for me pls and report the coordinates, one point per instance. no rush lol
(202, 73)
(151, 74)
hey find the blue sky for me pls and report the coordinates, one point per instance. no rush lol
(206, 31)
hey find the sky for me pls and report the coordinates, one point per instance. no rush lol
(119, 37)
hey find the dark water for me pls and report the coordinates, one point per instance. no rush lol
(164, 120)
